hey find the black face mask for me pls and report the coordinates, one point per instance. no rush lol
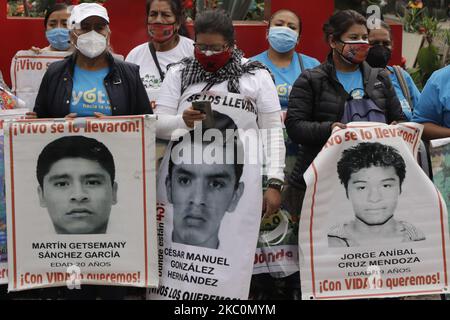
(379, 56)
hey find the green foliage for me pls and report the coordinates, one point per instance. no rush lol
(417, 77)
(445, 35)
(413, 19)
(35, 8)
(428, 62)
(431, 26)
(256, 11)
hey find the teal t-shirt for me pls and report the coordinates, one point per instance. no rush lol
(414, 92)
(352, 83)
(285, 77)
(89, 94)
(434, 102)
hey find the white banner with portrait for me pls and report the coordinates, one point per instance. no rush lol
(81, 202)
(373, 225)
(5, 115)
(209, 204)
(28, 69)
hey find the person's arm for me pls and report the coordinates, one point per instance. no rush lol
(41, 103)
(432, 131)
(167, 106)
(429, 112)
(274, 154)
(269, 120)
(168, 123)
(394, 112)
(300, 124)
(273, 143)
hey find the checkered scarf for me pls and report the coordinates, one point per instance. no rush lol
(194, 73)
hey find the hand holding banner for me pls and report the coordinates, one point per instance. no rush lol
(80, 195)
(372, 224)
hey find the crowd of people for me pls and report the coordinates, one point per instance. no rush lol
(298, 98)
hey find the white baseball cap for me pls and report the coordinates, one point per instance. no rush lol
(86, 10)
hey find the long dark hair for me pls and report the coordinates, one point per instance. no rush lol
(49, 11)
(177, 9)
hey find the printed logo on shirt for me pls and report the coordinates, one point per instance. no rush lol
(284, 89)
(357, 93)
(151, 82)
(91, 99)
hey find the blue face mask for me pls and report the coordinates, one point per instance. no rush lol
(58, 38)
(282, 39)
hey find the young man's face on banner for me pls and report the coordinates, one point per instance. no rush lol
(201, 194)
(374, 194)
(78, 194)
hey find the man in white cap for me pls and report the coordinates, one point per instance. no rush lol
(91, 82)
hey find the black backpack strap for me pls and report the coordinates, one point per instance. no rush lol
(300, 60)
(372, 79)
(403, 85)
(155, 59)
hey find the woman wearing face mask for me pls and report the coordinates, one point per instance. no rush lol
(379, 55)
(90, 82)
(245, 92)
(284, 32)
(91, 72)
(219, 67)
(335, 93)
(56, 30)
(165, 19)
(283, 35)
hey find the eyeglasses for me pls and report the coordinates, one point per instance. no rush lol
(213, 48)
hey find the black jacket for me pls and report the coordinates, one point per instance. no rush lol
(317, 100)
(123, 84)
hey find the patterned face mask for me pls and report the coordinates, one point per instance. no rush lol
(354, 52)
(160, 32)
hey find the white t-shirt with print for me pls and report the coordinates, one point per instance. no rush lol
(258, 87)
(142, 56)
(239, 226)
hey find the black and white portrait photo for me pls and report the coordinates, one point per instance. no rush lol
(372, 212)
(372, 175)
(82, 192)
(201, 194)
(77, 186)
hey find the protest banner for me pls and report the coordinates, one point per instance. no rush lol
(373, 224)
(81, 202)
(440, 163)
(5, 115)
(209, 204)
(28, 69)
(277, 249)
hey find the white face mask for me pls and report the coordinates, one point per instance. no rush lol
(91, 44)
